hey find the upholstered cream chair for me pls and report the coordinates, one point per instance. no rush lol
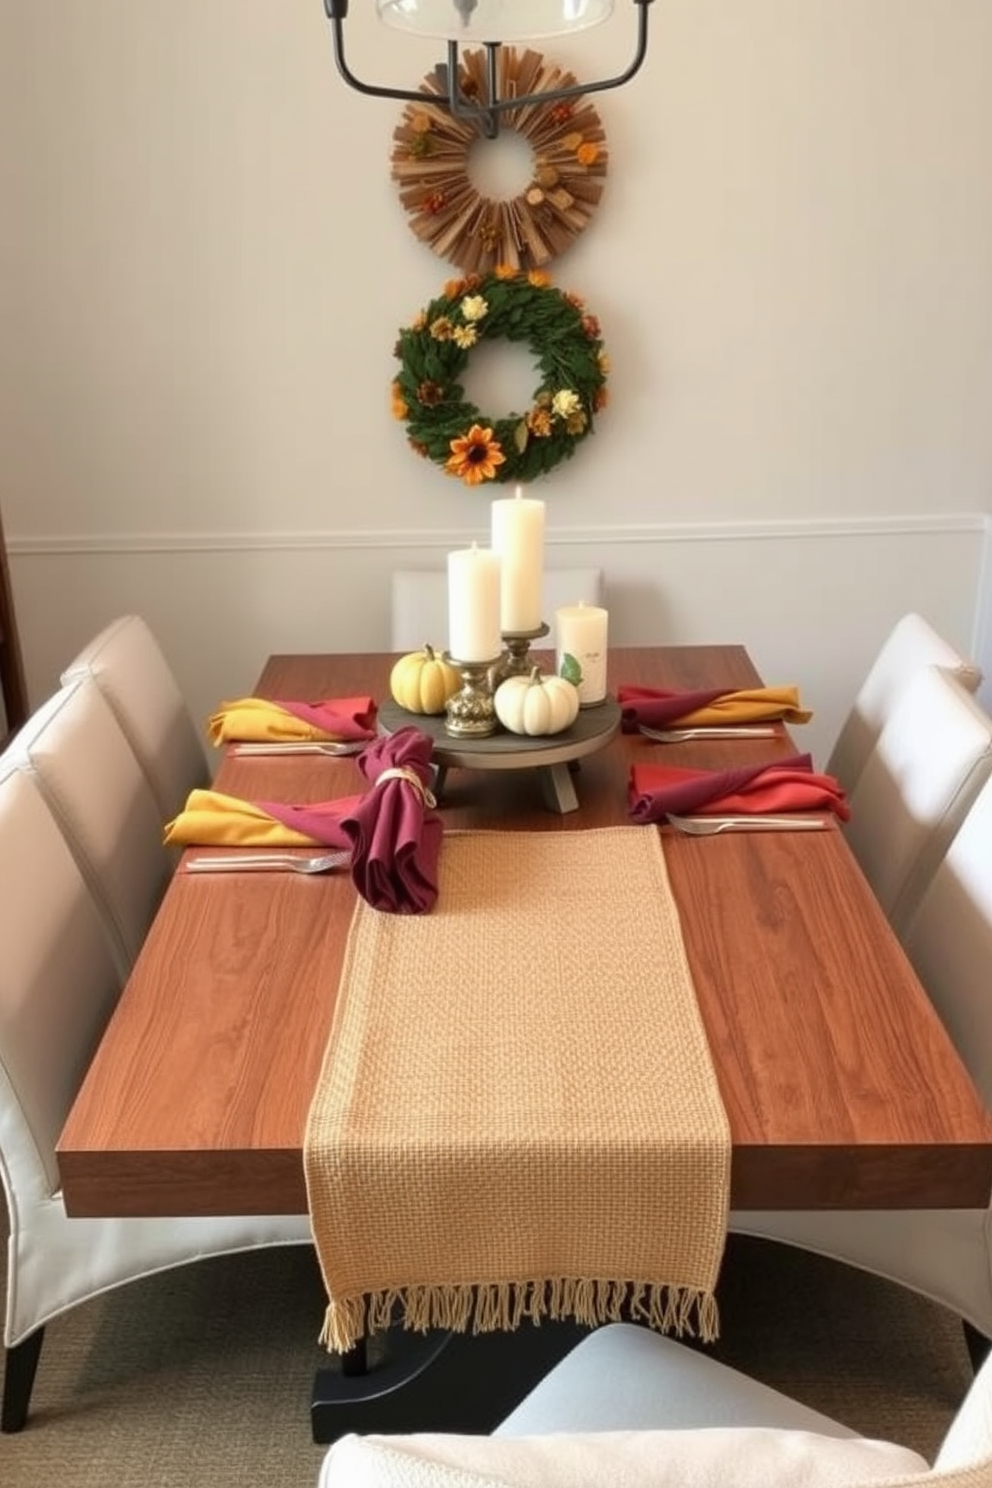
(58, 986)
(130, 669)
(912, 643)
(925, 770)
(420, 602)
(945, 1254)
(100, 797)
(629, 1407)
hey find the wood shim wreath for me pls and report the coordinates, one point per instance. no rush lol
(431, 157)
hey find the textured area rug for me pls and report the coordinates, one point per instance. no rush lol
(518, 1115)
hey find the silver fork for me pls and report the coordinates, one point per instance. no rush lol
(709, 826)
(268, 862)
(713, 731)
(303, 746)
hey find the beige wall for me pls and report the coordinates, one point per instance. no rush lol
(203, 266)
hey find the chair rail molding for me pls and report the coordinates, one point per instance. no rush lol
(385, 538)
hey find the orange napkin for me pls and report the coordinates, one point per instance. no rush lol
(660, 709)
(263, 721)
(210, 819)
(657, 791)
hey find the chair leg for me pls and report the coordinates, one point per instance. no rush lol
(18, 1379)
(978, 1345)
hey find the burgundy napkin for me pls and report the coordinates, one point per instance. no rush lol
(657, 708)
(657, 791)
(395, 837)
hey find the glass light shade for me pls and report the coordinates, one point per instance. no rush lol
(492, 20)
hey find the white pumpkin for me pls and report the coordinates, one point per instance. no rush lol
(537, 704)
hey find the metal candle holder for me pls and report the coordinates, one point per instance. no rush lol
(471, 713)
(514, 661)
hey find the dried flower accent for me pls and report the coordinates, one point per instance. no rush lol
(539, 423)
(429, 394)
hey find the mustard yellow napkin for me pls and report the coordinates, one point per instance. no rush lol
(656, 708)
(265, 721)
(211, 819)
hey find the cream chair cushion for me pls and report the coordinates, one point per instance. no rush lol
(715, 1457)
(101, 800)
(912, 643)
(131, 670)
(926, 769)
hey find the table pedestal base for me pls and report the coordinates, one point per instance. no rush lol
(439, 1381)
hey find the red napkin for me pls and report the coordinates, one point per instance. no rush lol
(344, 718)
(656, 791)
(658, 708)
(395, 837)
(322, 821)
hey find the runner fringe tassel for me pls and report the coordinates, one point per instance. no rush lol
(504, 1305)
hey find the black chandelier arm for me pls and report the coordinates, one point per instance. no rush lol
(336, 11)
(486, 115)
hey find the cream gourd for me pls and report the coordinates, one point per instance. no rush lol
(536, 704)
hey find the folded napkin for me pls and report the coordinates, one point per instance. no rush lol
(394, 834)
(657, 791)
(715, 705)
(210, 819)
(262, 721)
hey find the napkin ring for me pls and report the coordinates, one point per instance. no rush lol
(398, 772)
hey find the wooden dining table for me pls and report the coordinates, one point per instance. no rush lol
(841, 1087)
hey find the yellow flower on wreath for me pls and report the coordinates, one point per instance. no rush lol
(399, 405)
(475, 457)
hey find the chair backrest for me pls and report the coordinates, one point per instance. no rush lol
(949, 940)
(911, 644)
(97, 792)
(131, 670)
(931, 759)
(58, 986)
(420, 602)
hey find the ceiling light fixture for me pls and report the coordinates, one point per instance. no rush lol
(489, 24)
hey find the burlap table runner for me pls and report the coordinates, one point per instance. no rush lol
(517, 1114)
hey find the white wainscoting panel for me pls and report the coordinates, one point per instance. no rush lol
(811, 601)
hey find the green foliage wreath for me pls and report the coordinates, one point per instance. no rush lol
(434, 351)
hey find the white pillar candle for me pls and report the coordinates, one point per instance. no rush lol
(581, 631)
(473, 604)
(518, 538)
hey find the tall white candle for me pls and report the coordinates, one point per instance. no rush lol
(473, 604)
(581, 631)
(518, 538)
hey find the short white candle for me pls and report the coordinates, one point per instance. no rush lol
(473, 604)
(581, 631)
(518, 538)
